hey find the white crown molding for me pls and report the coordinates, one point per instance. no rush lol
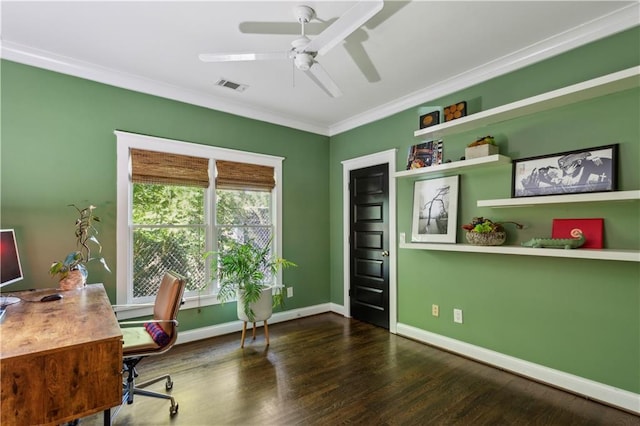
(615, 22)
(42, 59)
(607, 25)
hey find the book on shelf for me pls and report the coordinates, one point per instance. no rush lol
(425, 154)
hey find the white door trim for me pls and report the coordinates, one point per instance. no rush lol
(388, 157)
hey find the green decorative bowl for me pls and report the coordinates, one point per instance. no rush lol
(486, 239)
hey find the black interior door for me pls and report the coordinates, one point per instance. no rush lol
(369, 245)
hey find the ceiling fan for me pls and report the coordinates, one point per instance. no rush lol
(303, 50)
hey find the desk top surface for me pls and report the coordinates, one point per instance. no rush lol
(33, 327)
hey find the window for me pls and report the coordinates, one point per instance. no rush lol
(243, 204)
(169, 224)
(170, 212)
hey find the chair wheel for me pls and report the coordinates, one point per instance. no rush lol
(173, 410)
(169, 384)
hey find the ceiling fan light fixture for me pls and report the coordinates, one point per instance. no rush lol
(303, 61)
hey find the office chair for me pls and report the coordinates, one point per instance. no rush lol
(152, 337)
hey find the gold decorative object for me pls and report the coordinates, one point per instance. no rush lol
(454, 111)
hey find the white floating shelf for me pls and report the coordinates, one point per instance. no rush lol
(604, 254)
(447, 168)
(562, 199)
(601, 86)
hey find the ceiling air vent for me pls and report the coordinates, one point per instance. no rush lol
(231, 85)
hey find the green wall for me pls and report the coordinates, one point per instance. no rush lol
(577, 316)
(573, 315)
(58, 148)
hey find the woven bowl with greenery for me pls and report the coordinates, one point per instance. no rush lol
(486, 238)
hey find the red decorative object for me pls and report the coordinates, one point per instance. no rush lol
(591, 229)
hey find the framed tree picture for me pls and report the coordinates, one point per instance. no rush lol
(435, 210)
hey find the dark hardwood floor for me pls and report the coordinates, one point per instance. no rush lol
(329, 370)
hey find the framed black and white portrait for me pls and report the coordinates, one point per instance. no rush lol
(584, 170)
(435, 210)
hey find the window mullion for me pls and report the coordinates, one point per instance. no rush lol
(211, 237)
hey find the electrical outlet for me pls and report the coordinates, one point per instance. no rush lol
(435, 310)
(289, 291)
(457, 316)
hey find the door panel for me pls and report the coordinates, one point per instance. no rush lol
(372, 212)
(369, 240)
(369, 245)
(369, 269)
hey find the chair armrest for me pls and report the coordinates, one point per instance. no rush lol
(142, 305)
(144, 322)
(139, 305)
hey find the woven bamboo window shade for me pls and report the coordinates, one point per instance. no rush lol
(169, 169)
(232, 175)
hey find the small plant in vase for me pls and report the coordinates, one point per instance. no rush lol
(485, 140)
(72, 271)
(243, 271)
(485, 232)
(481, 147)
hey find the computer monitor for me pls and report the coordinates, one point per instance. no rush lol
(10, 267)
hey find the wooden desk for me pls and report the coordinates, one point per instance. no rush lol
(59, 360)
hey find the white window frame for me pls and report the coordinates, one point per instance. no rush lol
(124, 244)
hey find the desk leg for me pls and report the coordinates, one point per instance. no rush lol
(107, 417)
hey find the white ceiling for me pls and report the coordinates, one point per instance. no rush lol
(415, 51)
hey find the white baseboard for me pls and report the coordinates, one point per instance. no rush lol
(593, 390)
(337, 309)
(235, 326)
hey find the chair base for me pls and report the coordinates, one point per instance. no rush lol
(130, 388)
(253, 337)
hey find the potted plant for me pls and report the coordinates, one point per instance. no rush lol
(242, 270)
(485, 232)
(481, 147)
(72, 271)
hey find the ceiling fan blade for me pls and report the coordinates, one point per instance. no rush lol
(353, 19)
(319, 76)
(229, 57)
(390, 9)
(355, 49)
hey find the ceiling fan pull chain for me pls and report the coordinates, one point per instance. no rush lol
(293, 74)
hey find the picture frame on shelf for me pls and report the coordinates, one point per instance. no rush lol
(429, 119)
(570, 172)
(425, 154)
(430, 115)
(435, 210)
(454, 111)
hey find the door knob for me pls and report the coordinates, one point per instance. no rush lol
(385, 253)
